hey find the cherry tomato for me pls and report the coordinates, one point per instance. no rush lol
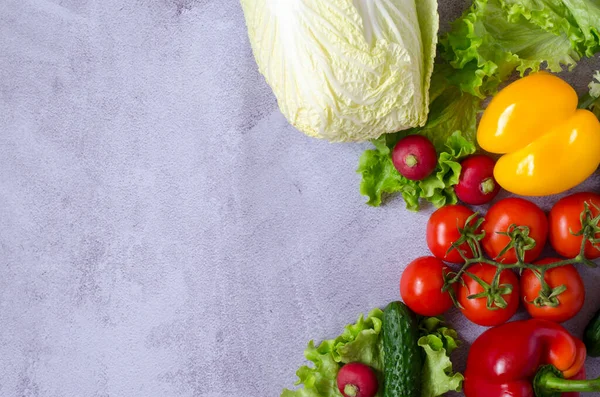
(564, 218)
(476, 309)
(421, 286)
(519, 212)
(442, 232)
(570, 301)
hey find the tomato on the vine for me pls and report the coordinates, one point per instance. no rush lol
(442, 232)
(476, 309)
(564, 219)
(421, 286)
(514, 211)
(553, 308)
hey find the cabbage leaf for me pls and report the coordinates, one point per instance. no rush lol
(346, 70)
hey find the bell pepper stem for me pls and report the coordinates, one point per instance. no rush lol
(549, 381)
(566, 385)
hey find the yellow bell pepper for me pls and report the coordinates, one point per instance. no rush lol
(548, 145)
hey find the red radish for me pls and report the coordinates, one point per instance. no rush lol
(414, 157)
(357, 380)
(477, 185)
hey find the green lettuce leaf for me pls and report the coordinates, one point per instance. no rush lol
(380, 177)
(438, 342)
(586, 16)
(492, 41)
(578, 20)
(358, 343)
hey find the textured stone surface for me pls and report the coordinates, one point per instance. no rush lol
(163, 230)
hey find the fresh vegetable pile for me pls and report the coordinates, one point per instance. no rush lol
(355, 70)
(491, 41)
(476, 263)
(388, 353)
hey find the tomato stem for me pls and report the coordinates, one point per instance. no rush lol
(521, 242)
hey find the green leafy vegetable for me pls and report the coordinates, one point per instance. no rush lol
(379, 176)
(361, 342)
(344, 70)
(439, 342)
(578, 20)
(358, 343)
(485, 47)
(496, 38)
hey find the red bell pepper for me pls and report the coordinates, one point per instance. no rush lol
(526, 359)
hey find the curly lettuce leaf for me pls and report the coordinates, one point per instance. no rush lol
(586, 14)
(577, 19)
(438, 342)
(495, 38)
(358, 343)
(437, 372)
(380, 177)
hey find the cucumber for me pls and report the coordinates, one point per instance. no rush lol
(403, 361)
(591, 338)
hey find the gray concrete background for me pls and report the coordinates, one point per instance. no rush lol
(163, 230)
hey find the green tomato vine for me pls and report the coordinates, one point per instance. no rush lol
(521, 242)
